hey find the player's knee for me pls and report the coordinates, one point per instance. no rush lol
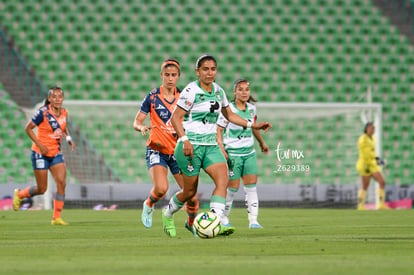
(41, 190)
(193, 201)
(189, 194)
(161, 191)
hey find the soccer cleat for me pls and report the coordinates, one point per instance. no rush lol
(361, 207)
(255, 226)
(383, 206)
(191, 229)
(59, 221)
(168, 225)
(146, 216)
(226, 230)
(16, 200)
(225, 221)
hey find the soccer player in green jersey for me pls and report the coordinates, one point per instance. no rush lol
(237, 146)
(194, 120)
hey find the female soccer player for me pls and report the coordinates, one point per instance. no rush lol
(368, 166)
(50, 121)
(159, 104)
(200, 104)
(238, 149)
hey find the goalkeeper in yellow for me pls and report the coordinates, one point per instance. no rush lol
(368, 166)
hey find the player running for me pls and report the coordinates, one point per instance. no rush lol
(200, 104)
(50, 120)
(237, 147)
(159, 104)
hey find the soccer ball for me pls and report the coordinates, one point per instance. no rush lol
(207, 225)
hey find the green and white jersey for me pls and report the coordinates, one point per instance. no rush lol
(237, 140)
(203, 109)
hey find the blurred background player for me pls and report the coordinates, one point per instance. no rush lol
(237, 146)
(368, 166)
(50, 121)
(159, 104)
(199, 105)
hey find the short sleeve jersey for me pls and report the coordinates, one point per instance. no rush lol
(50, 129)
(366, 149)
(162, 136)
(238, 140)
(203, 109)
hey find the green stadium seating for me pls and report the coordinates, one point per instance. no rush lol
(14, 143)
(112, 50)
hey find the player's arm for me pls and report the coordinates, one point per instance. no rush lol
(139, 123)
(69, 139)
(29, 131)
(222, 123)
(261, 141)
(234, 118)
(176, 121)
(219, 139)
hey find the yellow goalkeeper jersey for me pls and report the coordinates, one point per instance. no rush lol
(366, 149)
(367, 164)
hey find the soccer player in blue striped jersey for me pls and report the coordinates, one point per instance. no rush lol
(194, 120)
(237, 145)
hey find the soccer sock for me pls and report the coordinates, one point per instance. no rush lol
(58, 203)
(217, 205)
(191, 212)
(229, 200)
(152, 199)
(173, 206)
(381, 196)
(252, 202)
(361, 197)
(28, 192)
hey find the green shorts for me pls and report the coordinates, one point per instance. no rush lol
(240, 166)
(203, 157)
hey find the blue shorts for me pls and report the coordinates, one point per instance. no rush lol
(40, 162)
(154, 157)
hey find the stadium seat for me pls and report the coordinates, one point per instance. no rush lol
(100, 50)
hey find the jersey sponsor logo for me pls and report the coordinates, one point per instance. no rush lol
(57, 134)
(160, 107)
(214, 106)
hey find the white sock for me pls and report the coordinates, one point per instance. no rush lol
(174, 205)
(217, 205)
(229, 201)
(252, 203)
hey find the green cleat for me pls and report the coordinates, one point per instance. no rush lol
(226, 230)
(16, 200)
(168, 225)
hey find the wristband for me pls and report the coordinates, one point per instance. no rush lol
(183, 138)
(69, 139)
(249, 124)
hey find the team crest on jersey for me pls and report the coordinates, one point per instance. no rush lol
(190, 167)
(251, 113)
(218, 95)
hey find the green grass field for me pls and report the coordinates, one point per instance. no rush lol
(294, 241)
